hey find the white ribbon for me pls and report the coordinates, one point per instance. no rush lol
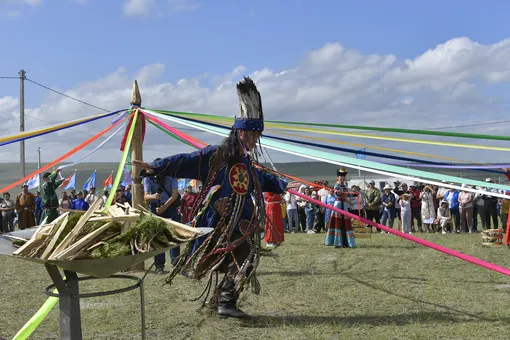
(96, 148)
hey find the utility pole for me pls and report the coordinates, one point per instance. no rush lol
(22, 74)
(137, 153)
(39, 166)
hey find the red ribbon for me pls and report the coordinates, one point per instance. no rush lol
(123, 143)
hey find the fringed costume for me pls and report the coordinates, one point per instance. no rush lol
(231, 201)
(339, 232)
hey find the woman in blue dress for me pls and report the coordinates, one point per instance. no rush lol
(231, 201)
(329, 200)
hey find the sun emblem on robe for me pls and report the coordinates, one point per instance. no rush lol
(239, 179)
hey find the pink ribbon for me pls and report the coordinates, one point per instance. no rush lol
(412, 238)
(176, 132)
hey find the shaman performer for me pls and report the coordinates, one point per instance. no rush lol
(231, 201)
(339, 232)
(25, 206)
(49, 196)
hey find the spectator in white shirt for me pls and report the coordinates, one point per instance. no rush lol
(292, 212)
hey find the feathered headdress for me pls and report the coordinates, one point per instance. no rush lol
(250, 103)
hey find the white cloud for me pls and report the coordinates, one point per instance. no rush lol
(14, 14)
(13, 11)
(144, 8)
(138, 7)
(445, 86)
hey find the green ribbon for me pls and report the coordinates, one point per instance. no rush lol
(353, 127)
(120, 169)
(339, 159)
(171, 134)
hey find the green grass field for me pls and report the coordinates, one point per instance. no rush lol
(386, 288)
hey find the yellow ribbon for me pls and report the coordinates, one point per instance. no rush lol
(23, 135)
(273, 126)
(374, 147)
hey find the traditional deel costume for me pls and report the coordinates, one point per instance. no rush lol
(49, 197)
(274, 219)
(231, 201)
(339, 232)
(25, 206)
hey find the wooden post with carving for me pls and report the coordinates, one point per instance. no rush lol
(137, 153)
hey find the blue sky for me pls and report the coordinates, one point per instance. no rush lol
(62, 43)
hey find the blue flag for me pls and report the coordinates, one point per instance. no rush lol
(182, 184)
(91, 182)
(33, 182)
(361, 154)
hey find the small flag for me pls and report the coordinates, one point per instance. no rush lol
(108, 183)
(91, 182)
(193, 183)
(182, 184)
(33, 182)
(69, 182)
(361, 154)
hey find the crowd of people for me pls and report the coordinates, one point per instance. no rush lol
(410, 208)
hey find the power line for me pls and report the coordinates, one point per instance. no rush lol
(470, 125)
(105, 110)
(9, 77)
(65, 95)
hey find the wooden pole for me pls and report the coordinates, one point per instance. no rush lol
(137, 153)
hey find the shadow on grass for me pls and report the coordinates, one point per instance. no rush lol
(411, 298)
(388, 246)
(373, 320)
(454, 281)
(289, 273)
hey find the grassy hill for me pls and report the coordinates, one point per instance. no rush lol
(311, 171)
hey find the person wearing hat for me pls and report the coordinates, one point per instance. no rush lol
(25, 207)
(49, 198)
(373, 203)
(341, 176)
(405, 212)
(388, 207)
(231, 202)
(444, 217)
(428, 212)
(339, 231)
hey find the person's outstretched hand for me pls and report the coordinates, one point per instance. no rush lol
(145, 166)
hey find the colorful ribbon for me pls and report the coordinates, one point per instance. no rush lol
(272, 126)
(369, 166)
(59, 159)
(95, 149)
(352, 127)
(44, 131)
(120, 169)
(195, 142)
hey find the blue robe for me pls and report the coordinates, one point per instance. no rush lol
(230, 209)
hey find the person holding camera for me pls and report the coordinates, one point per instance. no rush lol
(162, 195)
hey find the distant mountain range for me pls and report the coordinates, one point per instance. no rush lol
(310, 171)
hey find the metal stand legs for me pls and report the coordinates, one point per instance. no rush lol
(69, 299)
